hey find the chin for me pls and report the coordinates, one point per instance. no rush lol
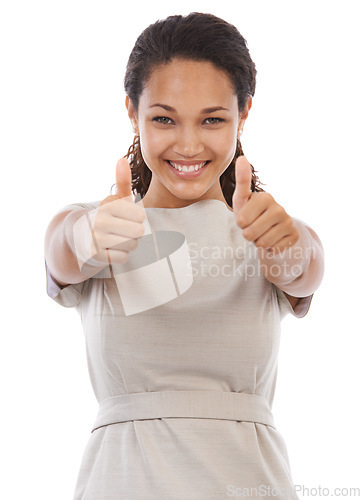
(191, 194)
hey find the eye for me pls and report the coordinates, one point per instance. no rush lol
(163, 120)
(215, 120)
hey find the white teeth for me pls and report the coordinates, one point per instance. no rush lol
(190, 168)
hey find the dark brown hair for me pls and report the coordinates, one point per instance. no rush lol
(197, 37)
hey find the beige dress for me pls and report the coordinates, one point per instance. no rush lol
(182, 343)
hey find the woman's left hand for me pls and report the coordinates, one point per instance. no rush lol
(262, 219)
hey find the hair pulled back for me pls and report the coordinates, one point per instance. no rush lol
(197, 37)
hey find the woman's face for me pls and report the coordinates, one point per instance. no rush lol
(187, 115)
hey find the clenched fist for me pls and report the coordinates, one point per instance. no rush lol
(108, 233)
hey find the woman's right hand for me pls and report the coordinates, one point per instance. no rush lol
(118, 222)
(106, 234)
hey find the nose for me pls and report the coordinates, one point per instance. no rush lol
(188, 143)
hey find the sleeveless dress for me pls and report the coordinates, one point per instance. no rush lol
(182, 343)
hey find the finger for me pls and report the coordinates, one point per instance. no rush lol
(124, 180)
(243, 179)
(258, 215)
(116, 256)
(121, 243)
(260, 226)
(279, 246)
(273, 235)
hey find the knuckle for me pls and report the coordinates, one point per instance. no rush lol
(262, 243)
(248, 234)
(241, 220)
(289, 222)
(279, 211)
(268, 197)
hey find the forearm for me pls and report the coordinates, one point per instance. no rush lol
(299, 270)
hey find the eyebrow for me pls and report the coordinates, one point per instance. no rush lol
(206, 110)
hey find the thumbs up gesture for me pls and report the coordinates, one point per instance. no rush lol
(263, 221)
(123, 177)
(117, 222)
(107, 234)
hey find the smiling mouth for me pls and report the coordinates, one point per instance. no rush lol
(187, 168)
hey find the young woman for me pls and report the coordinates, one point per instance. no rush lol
(181, 290)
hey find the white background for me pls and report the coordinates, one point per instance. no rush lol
(63, 127)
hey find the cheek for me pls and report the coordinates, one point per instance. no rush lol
(151, 144)
(224, 145)
(153, 147)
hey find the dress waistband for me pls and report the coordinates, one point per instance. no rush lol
(239, 406)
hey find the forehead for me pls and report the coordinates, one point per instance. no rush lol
(198, 83)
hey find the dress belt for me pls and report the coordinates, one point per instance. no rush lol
(223, 405)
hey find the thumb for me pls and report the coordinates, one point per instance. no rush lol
(124, 180)
(243, 178)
